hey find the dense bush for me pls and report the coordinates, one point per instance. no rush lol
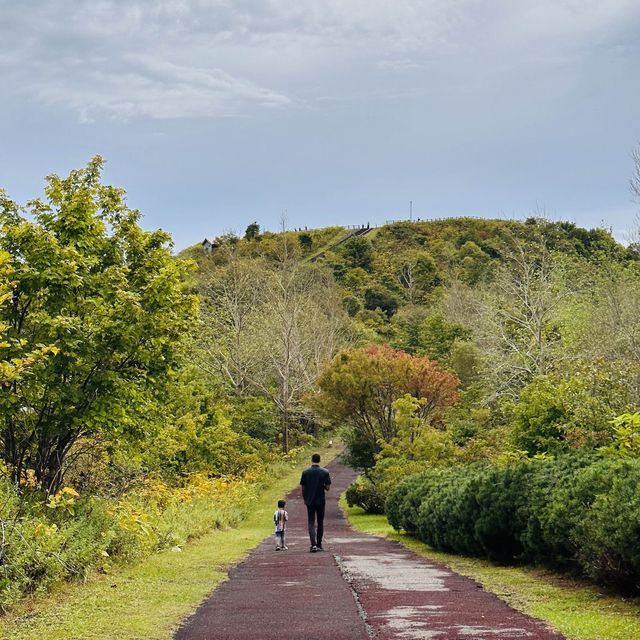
(551, 513)
(448, 505)
(609, 533)
(578, 511)
(404, 501)
(72, 534)
(363, 493)
(555, 412)
(369, 491)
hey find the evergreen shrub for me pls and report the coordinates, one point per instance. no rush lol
(363, 493)
(369, 491)
(449, 504)
(579, 511)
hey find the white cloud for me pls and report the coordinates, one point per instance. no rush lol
(211, 58)
(141, 85)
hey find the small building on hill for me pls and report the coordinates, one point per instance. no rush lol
(210, 246)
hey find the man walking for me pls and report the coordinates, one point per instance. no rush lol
(315, 481)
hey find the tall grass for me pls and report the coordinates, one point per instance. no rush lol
(73, 534)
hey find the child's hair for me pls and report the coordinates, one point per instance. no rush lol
(281, 504)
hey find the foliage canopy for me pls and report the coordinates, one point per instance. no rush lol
(103, 306)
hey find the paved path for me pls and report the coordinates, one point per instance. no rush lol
(362, 587)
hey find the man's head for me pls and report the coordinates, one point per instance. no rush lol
(315, 458)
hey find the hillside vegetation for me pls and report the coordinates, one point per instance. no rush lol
(145, 396)
(473, 352)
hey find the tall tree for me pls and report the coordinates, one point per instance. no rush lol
(109, 301)
(226, 343)
(519, 307)
(270, 328)
(360, 386)
(252, 231)
(302, 327)
(417, 274)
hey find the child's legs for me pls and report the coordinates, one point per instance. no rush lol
(280, 538)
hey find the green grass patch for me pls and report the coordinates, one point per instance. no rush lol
(329, 244)
(370, 235)
(148, 600)
(578, 610)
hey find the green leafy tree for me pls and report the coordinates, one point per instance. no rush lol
(18, 358)
(110, 301)
(473, 263)
(356, 280)
(358, 252)
(374, 326)
(603, 324)
(418, 275)
(407, 322)
(252, 232)
(415, 438)
(360, 386)
(468, 363)
(555, 413)
(352, 305)
(379, 298)
(539, 417)
(306, 241)
(626, 438)
(437, 337)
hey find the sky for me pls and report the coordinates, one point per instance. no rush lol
(215, 113)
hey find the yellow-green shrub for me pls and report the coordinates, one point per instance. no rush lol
(73, 534)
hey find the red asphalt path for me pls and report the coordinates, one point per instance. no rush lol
(361, 587)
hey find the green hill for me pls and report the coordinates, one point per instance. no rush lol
(383, 269)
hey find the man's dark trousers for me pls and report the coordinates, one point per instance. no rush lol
(315, 511)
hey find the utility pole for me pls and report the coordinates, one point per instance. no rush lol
(410, 209)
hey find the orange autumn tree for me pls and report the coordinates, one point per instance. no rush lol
(359, 388)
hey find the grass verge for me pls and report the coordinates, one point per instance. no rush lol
(578, 610)
(148, 600)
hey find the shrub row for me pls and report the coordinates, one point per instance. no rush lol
(576, 511)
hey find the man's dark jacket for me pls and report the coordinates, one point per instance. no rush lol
(314, 480)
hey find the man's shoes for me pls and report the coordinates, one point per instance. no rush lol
(319, 547)
(313, 549)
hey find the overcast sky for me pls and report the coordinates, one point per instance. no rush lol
(215, 113)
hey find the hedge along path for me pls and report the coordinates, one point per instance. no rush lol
(573, 606)
(148, 600)
(362, 587)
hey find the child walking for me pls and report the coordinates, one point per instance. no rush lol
(280, 518)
